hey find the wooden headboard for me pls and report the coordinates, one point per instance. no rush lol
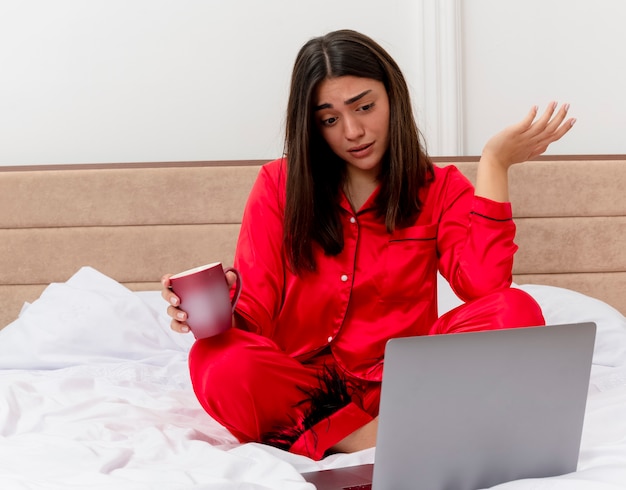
(135, 222)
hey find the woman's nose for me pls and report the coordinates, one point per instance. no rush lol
(352, 128)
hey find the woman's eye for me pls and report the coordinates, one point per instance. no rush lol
(329, 122)
(366, 107)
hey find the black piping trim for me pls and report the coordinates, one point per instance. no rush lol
(490, 218)
(413, 239)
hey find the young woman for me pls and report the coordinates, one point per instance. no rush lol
(339, 248)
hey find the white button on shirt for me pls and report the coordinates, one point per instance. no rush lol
(344, 278)
(330, 339)
(352, 219)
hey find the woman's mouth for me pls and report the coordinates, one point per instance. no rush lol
(361, 150)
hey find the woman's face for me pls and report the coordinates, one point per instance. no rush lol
(352, 114)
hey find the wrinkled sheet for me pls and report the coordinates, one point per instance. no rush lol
(95, 393)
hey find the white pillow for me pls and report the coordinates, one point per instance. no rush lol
(90, 318)
(560, 305)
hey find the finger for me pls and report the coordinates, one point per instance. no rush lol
(169, 296)
(526, 123)
(540, 124)
(542, 145)
(231, 278)
(557, 128)
(165, 284)
(557, 120)
(176, 314)
(562, 130)
(166, 292)
(165, 280)
(179, 327)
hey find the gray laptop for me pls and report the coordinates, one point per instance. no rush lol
(469, 411)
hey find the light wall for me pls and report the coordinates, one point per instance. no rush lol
(164, 80)
(520, 53)
(169, 80)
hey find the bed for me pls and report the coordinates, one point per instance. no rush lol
(94, 385)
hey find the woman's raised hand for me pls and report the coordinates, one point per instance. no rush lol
(518, 143)
(530, 137)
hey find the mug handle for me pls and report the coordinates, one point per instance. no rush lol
(237, 286)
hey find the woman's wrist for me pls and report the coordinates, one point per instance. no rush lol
(492, 179)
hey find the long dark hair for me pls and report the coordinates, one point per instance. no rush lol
(315, 174)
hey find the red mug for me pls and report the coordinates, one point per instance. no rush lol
(205, 297)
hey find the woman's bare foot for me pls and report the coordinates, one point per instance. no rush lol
(362, 438)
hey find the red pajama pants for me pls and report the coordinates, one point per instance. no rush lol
(245, 382)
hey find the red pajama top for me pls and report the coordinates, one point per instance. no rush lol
(382, 285)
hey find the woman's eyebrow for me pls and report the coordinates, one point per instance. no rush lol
(356, 97)
(351, 100)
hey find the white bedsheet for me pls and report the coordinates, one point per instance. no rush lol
(95, 393)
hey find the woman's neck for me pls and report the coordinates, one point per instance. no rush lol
(358, 187)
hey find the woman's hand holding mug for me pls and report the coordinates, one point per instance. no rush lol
(199, 299)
